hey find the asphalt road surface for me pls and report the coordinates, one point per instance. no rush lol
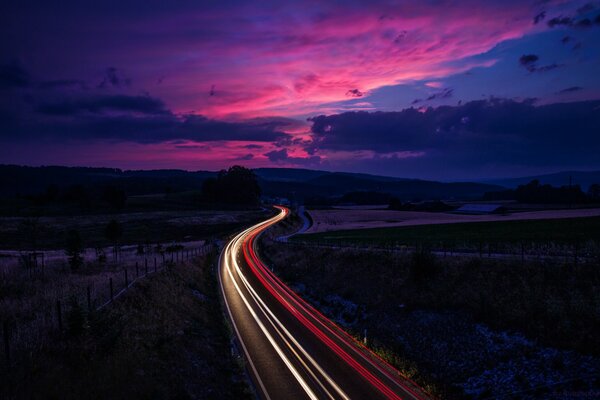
(292, 350)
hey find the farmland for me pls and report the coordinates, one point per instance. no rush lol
(336, 220)
(502, 325)
(573, 238)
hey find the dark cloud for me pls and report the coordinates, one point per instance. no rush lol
(13, 76)
(253, 146)
(583, 23)
(212, 91)
(112, 78)
(597, 19)
(566, 39)
(540, 17)
(102, 104)
(282, 156)
(246, 157)
(443, 94)
(586, 8)
(549, 67)
(494, 131)
(570, 89)
(277, 155)
(558, 21)
(144, 119)
(354, 93)
(529, 62)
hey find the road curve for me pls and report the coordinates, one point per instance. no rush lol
(292, 350)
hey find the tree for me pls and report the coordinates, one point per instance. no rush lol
(594, 191)
(73, 248)
(113, 233)
(237, 185)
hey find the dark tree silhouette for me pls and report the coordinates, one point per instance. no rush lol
(594, 191)
(237, 185)
(73, 248)
(113, 233)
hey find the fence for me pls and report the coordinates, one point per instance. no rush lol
(584, 252)
(51, 293)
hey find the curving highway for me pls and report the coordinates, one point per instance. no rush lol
(292, 350)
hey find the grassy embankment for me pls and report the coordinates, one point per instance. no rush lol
(166, 338)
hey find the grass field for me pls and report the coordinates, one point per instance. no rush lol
(166, 338)
(559, 231)
(138, 227)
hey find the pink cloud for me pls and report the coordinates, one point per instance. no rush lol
(293, 64)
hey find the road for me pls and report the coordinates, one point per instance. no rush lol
(292, 350)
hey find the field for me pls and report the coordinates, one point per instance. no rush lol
(569, 237)
(165, 338)
(138, 228)
(464, 326)
(162, 337)
(335, 220)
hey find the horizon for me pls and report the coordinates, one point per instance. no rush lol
(483, 180)
(401, 90)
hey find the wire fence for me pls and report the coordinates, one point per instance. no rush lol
(47, 295)
(573, 253)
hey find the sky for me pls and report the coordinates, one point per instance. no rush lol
(436, 89)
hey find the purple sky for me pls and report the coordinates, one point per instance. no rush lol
(432, 89)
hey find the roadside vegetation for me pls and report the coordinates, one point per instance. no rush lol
(164, 339)
(461, 326)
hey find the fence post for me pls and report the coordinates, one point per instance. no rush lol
(126, 280)
(137, 271)
(59, 315)
(89, 299)
(6, 334)
(112, 297)
(146, 265)
(154, 264)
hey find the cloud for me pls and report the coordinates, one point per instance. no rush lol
(529, 62)
(354, 93)
(539, 17)
(558, 21)
(246, 157)
(570, 89)
(443, 94)
(277, 155)
(102, 104)
(13, 76)
(477, 133)
(112, 78)
(282, 157)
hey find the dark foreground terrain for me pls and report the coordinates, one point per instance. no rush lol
(164, 339)
(463, 327)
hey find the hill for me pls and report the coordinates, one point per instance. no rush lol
(296, 184)
(581, 178)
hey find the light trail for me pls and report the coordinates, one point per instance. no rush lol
(306, 365)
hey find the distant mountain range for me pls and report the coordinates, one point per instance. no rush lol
(292, 183)
(581, 178)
